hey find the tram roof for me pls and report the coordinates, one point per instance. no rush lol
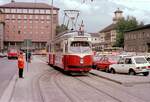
(69, 34)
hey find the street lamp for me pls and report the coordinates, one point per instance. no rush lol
(52, 20)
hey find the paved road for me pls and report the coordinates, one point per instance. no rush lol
(8, 69)
(43, 83)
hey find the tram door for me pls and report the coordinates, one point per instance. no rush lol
(148, 45)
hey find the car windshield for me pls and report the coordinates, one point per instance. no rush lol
(140, 60)
(113, 58)
(13, 51)
(80, 47)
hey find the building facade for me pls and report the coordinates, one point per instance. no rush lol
(108, 34)
(137, 40)
(95, 41)
(1, 32)
(28, 21)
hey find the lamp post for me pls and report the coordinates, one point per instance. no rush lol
(51, 21)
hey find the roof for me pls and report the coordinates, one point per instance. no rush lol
(139, 28)
(27, 5)
(108, 28)
(118, 11)
(94, 34)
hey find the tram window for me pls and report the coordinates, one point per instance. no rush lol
(77, 44)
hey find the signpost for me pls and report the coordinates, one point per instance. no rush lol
(27, 45)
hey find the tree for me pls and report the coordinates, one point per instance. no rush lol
(125, 25)
(61, 28)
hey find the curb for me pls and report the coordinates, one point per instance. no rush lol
(127, 84)
(118, 82)
(7, 95)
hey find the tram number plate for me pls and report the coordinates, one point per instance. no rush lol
(81, 39)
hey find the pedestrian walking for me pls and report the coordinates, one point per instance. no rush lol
(20, 64)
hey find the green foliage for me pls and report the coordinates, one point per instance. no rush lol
(61, 28)
(125, 25)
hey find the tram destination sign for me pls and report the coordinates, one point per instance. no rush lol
(81, 39)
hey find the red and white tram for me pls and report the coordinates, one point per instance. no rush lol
(72, 52)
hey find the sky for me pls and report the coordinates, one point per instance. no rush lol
(98, 14)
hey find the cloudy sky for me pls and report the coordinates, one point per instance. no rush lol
(98, 14)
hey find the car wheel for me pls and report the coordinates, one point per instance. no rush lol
(107, 70)
(112, 71)
(146, 73)
(132, 72)
(94, 66)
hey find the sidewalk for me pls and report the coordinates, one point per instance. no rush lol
(25, 90)
(122, 78)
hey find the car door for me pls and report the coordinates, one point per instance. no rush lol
(119, 66)
(128, 64)
(99, 63)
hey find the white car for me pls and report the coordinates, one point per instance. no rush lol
(148, 58)
(132, 65)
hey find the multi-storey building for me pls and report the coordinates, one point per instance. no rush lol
(108, 34)
(137, 40)
(1, 32)
(95, 41)
(24, 20)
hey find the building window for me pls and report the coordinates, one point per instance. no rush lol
(48, 17)
(42, 11)
(36, 21)
(13, 21)
(7, 16)
(25, 21)
(47, 11)
(36, 17)
(13, 16)
(19, 27)
(19, 10)
(25, 27)
(7, 10)
(36, 11)
(30, 17)
(30, 21)
(13, 10)
(25, 11)
(148, 34)
(42, 21)
(30, 10)
(42, 32)
(25, 16)
(42, 17)
(19, 16)
(25, 32)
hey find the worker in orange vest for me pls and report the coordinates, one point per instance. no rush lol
(21, 64)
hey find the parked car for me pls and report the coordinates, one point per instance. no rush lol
(2, 55)
(148, 58)
(105, 61)
(12, 53)
(132, 65)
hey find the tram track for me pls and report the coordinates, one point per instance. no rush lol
(101, 91)
(38, 95)
(51, 79)
(114, 85)
(110, 90)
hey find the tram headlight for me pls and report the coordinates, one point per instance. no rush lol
(81, 61)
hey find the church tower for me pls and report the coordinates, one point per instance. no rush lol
(12, 1)
(118, 15)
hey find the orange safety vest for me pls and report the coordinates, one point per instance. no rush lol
(20, 62)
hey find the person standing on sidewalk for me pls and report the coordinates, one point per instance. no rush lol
(20, 64)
